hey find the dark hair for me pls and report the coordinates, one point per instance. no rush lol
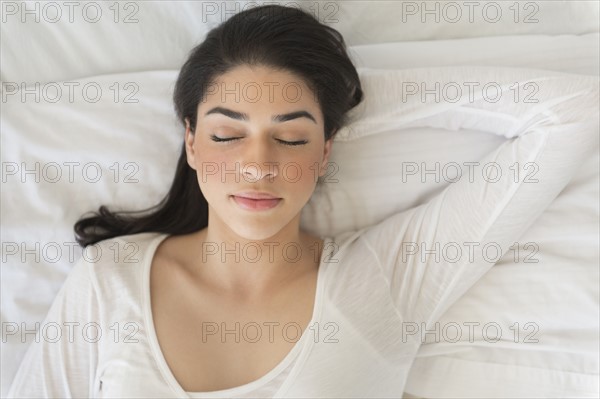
(280, 37)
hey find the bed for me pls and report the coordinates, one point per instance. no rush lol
(87, 120)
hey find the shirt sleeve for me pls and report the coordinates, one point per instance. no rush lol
(432, 254)
(61, 361)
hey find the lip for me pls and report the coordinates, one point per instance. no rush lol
(252, 204)
(256, 195)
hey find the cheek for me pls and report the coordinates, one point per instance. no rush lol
(209, 166)
(301, 173)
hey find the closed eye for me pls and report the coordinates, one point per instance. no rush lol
(290, 143)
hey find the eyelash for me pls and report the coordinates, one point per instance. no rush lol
(289, 143)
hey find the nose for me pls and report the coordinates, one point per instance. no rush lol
(259, 160)
(255, 171)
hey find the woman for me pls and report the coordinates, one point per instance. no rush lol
(217, 292)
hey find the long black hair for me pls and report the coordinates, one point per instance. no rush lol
(281, 37)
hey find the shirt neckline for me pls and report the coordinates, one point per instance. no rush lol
(304, 343)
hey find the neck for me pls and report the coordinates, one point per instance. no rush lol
(247, 266)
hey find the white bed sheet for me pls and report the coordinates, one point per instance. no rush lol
(562, 53)
(566, 233)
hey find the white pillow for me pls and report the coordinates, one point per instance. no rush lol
(84, 40)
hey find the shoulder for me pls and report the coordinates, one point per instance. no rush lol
(119, 259)
(122, 250)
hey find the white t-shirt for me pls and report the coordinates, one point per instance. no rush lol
(379, 289)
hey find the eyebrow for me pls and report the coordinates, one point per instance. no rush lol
(276, 118)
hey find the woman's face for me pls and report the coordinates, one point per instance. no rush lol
(275, 144)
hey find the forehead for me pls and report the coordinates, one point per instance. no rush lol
(260, 89)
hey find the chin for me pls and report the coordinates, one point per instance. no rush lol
(255, 234)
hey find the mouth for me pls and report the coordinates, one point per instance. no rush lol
(256, 204)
